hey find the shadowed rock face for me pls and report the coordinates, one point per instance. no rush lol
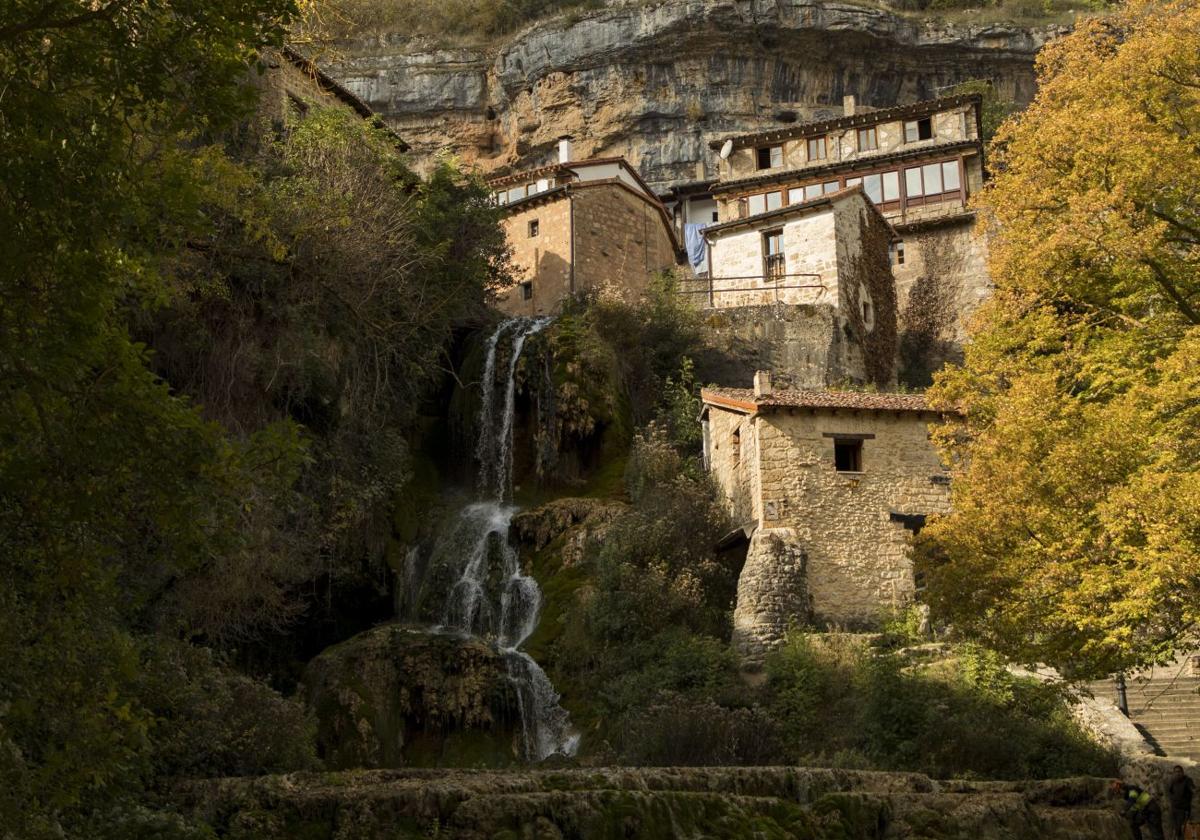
(657, 82)
(768, 802)
(395, 696)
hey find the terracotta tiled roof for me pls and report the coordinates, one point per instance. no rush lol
(913, 109)
(743, 399)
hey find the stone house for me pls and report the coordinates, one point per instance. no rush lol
(576, 226)
(828, 254)
(919, 163)
(828, 486)
(293, 84)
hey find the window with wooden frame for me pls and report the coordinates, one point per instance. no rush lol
(896, 252)
(932, 179)
(816, 148)
(533, 228)
(769, 157)
(527, 290)
(915, 130)
(774, 267)
(868, 139)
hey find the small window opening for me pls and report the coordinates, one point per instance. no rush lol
(714, 215)
(735, 442)
(866, 313)
(527, 290)
(915, 130)
(847, 455)
(896, 251)
(533, 228)
(868, 139)
(770, 157)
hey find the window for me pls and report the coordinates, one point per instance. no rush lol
(773, 260)
(533, 228)
(831, 186)
(847, 455)
(896, 252)
(812, 191)
(950, 179)
(795, 195)
(932, 179)
(527, 290)
(915, 130)
(912, 182)
(758, 204)
(770, 157)
(868, 140)
(516, 193)
(816, 148)
(714, 215)
(891, 186)
(735, 443)
(867, 316)
(774, 200)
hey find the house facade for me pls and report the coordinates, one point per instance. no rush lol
(920, 164)
(581, 226)
(829, 486)
(827, 255)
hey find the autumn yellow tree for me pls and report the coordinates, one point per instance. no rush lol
(1075, 537)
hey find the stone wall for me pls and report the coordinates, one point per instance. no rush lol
(543, 260)
(802, 346)
(621, 239)
(810, 247)
(772, 592)
(940, 286)
(733, 462)
(859, 561)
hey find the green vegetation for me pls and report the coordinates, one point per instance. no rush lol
(636, 626)
(208, 336)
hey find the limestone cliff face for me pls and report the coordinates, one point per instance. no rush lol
(655, 82)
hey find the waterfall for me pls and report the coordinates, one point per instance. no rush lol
(492, 597)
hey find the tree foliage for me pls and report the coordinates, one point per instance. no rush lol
(1075, 537)
(201, 334)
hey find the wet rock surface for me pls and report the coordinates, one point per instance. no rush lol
(656, 82)
(398, 696)
(767, 802)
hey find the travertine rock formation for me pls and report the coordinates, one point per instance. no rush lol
(655, 82)
(651, 803)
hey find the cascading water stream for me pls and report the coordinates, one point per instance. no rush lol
(492, 597)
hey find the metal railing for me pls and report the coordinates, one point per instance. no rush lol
(771, 284)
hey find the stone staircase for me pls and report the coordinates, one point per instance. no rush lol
(1164, 704)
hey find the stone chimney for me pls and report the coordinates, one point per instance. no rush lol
(848, 106)
(762, 383)
(564, 149)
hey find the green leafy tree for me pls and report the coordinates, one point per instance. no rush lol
(1075, 536)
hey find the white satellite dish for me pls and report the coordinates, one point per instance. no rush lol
(726, 150)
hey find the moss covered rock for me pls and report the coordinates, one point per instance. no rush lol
(717, 802)
(395, 696)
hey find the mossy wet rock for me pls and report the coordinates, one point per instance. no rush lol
(539, 527)
(763, 802)
(396, 696)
